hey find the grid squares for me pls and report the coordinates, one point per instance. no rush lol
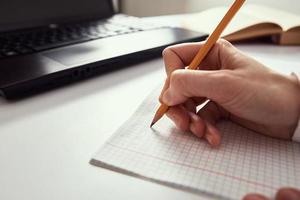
(245, 162)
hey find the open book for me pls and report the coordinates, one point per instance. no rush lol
(252, 21)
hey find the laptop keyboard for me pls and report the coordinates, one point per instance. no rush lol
(13, 44)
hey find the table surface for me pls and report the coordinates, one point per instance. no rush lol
(46, 141)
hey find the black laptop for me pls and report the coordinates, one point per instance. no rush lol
(45, 44)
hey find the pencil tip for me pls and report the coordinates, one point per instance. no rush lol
(152, 123)
(159, 113)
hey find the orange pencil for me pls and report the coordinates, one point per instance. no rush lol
(212, 39)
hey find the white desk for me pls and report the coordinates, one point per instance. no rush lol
(46, 141)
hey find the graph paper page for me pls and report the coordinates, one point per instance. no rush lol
(245, 162)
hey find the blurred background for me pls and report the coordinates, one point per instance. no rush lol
(143, 8)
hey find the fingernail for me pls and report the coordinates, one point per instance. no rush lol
(255, 197)
(193, 129)
(288, 193)
(209, 138)
(293, 196)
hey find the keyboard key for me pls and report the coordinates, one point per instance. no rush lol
(23, 50)
(47, 38)
(58, 44)
(10, 53)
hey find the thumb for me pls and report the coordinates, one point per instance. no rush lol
(184, 84)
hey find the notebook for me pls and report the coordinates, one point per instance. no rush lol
(252, 21)
(245, 162)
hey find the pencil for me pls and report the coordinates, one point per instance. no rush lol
(211, 40)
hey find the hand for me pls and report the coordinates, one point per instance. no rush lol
(282, 194)
(238, 88)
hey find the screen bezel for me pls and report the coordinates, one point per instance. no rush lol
(57, 20)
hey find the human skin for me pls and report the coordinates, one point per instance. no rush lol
(282, 194)
(238, 88)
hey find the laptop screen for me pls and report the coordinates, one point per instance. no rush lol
(30, 13)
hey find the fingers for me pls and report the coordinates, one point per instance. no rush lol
(179, 115)
(191, 106)
(183, 85)
(187, 121)
(288, 193)
(197, 125)
(172, 60)
(181, 55)
(176, 57)
(282, 194)
(255, 197)
(218, 86)
(211, 114)
(202, 124)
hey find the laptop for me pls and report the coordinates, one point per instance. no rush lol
(45, 44)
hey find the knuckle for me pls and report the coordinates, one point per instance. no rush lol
(165, 52)
(224, 43)
(229, 87)
(225, 80)
(225, 77)
(224, 49)
(177, 78)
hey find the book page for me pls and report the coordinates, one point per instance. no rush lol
(246, 162)
(248, 16)
(285, 19)
(207, 21)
